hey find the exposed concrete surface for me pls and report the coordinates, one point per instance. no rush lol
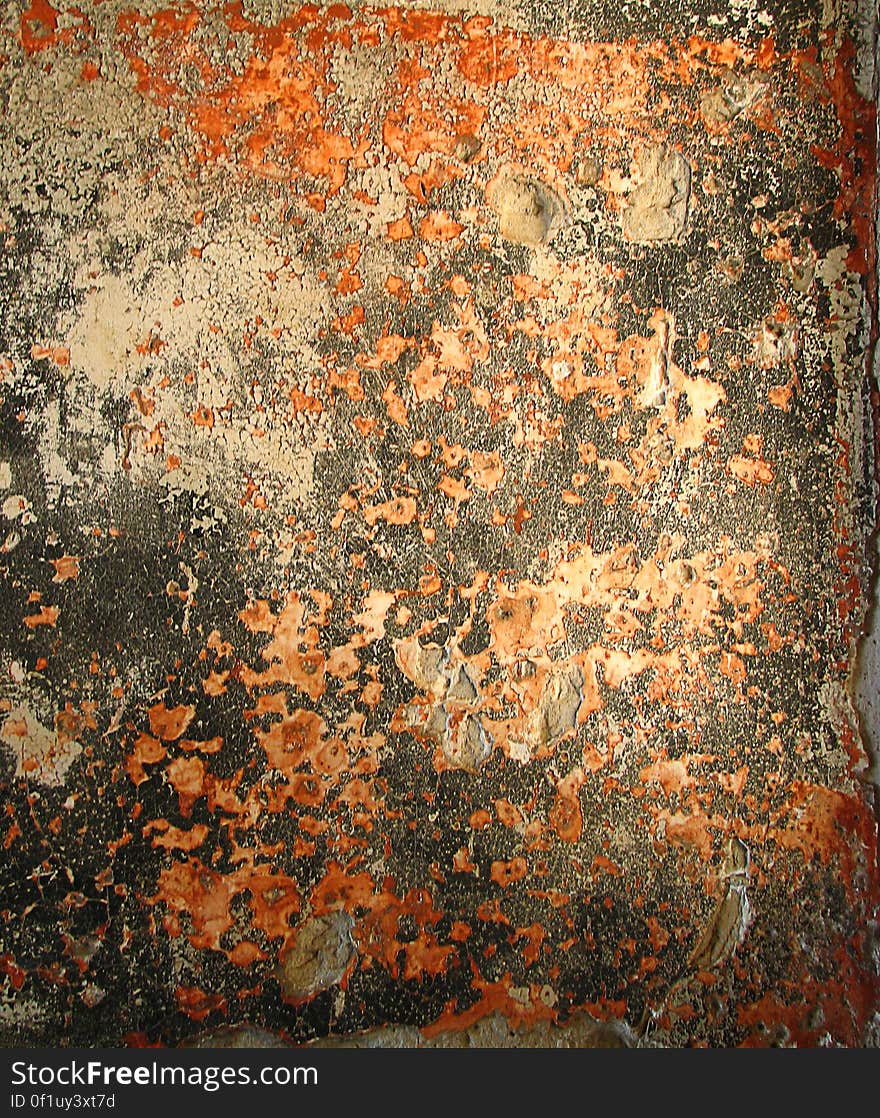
(437, 480)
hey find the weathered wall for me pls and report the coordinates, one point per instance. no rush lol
(437, 473)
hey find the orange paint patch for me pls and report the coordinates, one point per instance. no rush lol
(66, 567)
(486, 471)
(399, 510)
(204, 895)
(48, 615)
(338, 887)
(400, 230)
(245, 954)
(566, 818)
(169, 837)
(197, 1004)
(672, 776)
(780, 396)
(424, 956)
(147, 751)
(506, 873)
(167, 724)
(751, 471)
(439, 227)
(58, 355)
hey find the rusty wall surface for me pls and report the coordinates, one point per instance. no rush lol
(436, 479)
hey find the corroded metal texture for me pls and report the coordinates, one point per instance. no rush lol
(437, 472)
